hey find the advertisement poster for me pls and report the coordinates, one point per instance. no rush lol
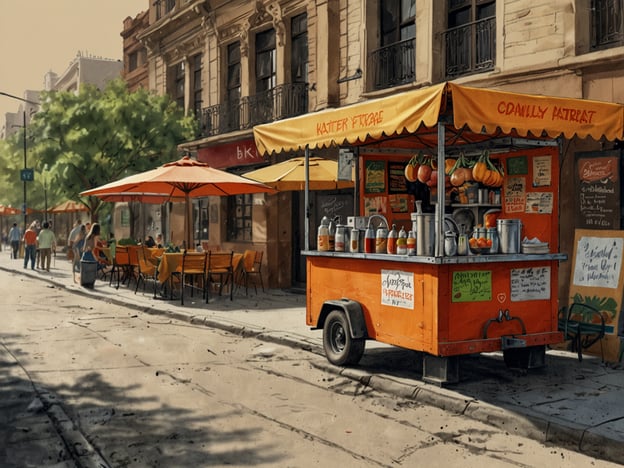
(515, 195)
(375, 177)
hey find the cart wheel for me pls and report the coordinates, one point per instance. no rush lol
(339, 347)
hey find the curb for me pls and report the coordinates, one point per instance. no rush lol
(534, 427)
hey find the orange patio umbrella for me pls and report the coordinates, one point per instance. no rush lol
(9, 211)
(68, 206)
(184, 179)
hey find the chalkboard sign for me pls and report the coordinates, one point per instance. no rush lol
(518, 165)
(396, 178)
(598, 187)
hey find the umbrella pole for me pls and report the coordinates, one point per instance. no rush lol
(188, 223)
(307, 199)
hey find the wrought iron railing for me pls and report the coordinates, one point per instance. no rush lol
(281, 102)
(607, 24)
(470, 48)
(393, 65)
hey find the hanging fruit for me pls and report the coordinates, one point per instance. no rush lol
(461, 172)
(480, 168)
(425, 170)
(411, 170)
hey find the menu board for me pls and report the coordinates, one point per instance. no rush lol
(396, 177)
(471, 286)
(598, 186)
(529, 284)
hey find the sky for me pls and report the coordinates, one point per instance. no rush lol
(37, 36)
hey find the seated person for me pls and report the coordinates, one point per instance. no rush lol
(149, 242)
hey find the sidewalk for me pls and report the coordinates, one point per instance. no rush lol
(579, 405)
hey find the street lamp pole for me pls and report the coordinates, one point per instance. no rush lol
(24, 173)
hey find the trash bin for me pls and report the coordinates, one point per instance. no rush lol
(88, 273)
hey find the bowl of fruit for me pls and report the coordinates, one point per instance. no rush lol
(480, 245)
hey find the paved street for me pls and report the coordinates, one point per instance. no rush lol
(577, 405)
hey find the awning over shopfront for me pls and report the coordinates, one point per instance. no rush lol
(470, 114)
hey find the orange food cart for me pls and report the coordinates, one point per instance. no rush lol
(442, 304)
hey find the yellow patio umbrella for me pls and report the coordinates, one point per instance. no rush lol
(290, 175)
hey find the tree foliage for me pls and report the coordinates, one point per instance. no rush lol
(95, 137)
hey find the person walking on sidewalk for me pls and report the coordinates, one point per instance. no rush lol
(14, 239)
(47, 244)
(78, 246)
(30, 245)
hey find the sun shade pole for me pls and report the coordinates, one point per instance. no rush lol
(306, 243)
(439, 213)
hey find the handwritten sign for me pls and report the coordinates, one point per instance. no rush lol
(397, 289)
(471, 286)
(375, 177)
(598, 261)
(598, 187)
(542, 175)
(529, 284)
(515, 194)
(396, 178)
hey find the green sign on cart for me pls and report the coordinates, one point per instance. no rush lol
(471, 286)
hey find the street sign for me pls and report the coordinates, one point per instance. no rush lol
(27, 175)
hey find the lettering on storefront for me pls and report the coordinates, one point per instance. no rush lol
(397, 289)
(538, 112)
(471, 286)
(239, 153)
(529, 284)
(364, 120)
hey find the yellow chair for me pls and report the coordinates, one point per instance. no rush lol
(193, 268)
(220, 272)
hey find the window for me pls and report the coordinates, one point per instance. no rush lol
(178, 83)
(265, 61)
(197, 83)
(470, 37)
(233, 88)
(240, 217)
(163, 7)
(394, 63)
(133, 61)
(607, 23)
(299, 51)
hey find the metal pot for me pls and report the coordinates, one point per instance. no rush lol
(423, 224)
(509, 235)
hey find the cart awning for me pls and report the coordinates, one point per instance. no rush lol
(476, 110)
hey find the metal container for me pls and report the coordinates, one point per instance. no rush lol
(509, 235)
(423, 224)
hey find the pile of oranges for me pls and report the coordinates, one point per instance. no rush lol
(480, 243)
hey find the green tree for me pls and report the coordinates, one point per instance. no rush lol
(95, 137)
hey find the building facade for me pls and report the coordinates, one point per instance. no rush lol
(236, 64)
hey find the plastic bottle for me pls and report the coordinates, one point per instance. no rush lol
(323, 235)
(369, 240)
(391, 246)
(332, 234)
(381, 240)
(411, 243)
(401, 245)
(339, 238)
(355, 240)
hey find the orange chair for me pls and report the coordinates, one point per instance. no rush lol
(121, 262)
(193, 268)
(145, 271)
(220, 272)
(252, 269)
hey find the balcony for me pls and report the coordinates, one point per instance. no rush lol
(393, 65)
(281, 102)
(607, 24)
(471, 48)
